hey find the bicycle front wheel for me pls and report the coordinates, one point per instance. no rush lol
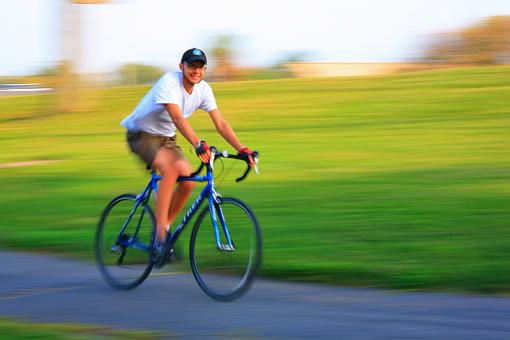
(222, 273)
(123, 255)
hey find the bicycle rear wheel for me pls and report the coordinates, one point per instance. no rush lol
(125, 260)
(225, 274)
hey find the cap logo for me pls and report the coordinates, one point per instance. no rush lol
(196, 52)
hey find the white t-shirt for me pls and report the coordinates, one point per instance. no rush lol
(150, 114)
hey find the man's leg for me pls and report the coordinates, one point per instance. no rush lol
(182, 192)
(166, 163)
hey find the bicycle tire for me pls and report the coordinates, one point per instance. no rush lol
(111, 222)
(242, 226)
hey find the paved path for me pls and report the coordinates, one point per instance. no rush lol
(50, 289)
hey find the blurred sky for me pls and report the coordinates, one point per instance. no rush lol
(158, 31)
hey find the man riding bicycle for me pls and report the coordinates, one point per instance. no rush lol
(151, 132)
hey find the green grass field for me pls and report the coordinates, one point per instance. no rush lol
(399, 181)
(21, 330)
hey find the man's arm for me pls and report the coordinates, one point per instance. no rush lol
(225, 130)
(182, 124)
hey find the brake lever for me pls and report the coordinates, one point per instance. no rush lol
(256, 162)
(211, 160)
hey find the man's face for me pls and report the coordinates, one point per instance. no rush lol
(194, 72)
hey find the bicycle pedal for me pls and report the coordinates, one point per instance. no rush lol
(161, 255)
(116, 248)
(169, 255)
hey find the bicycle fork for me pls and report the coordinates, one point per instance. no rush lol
(215, 211)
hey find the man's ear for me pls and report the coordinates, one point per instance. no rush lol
(181, 66)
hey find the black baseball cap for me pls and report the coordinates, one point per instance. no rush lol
(192, 55)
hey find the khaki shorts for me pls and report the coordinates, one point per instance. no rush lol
(146, 145)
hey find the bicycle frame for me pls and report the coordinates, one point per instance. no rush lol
(214, 210)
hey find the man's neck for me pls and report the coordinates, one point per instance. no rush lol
(188, 86)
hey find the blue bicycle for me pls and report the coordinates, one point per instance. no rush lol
(225, 249)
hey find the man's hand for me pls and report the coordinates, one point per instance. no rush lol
(247, 154)
(203, 151)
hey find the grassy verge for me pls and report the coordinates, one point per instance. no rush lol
(17, 329)
(397, 181)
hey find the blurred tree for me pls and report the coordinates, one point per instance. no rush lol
(222, 55)
(133, 74)
(49, 71)
(296, 57)
(487, 42)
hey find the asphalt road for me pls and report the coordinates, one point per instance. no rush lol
(50, 289)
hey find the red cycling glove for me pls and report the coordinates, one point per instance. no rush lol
(246, 154)
(203, 151)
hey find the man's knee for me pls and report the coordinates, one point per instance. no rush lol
(166, 162)
(183, 167)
